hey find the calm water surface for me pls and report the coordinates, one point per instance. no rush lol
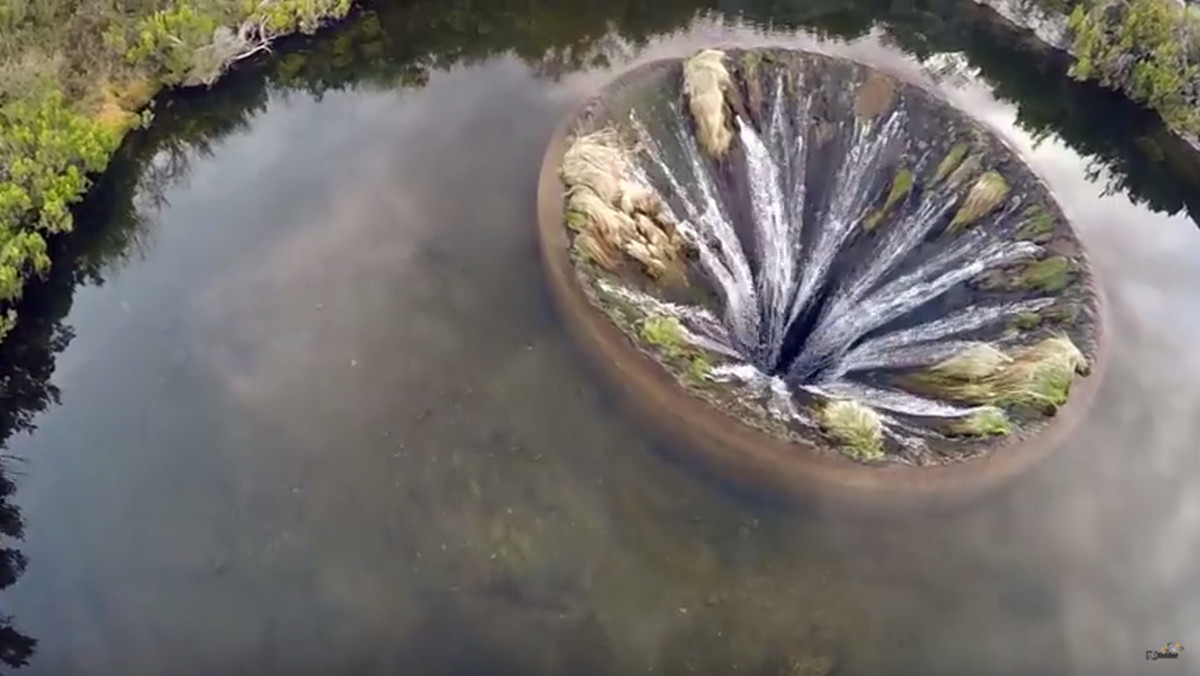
(320, 418)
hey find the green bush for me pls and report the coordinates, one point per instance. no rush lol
(73, 72)
(166, 42)
(1149, 49)
(292, 16)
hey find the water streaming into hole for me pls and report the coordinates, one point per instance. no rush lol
(840, 246)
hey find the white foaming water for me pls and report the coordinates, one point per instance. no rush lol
(843, 324)
(776, 241)
(851, 195)
(916, 346)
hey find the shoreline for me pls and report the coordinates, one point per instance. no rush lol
(1051, 31)
(107, 114)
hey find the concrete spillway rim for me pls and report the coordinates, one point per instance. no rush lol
(747, 456)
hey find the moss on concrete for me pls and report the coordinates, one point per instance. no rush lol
(1024, 322)
(902, 184)
(1037, 376)
(666, 335)
(1048, 275)
(1038, 226)
(989, 191)
(856, 427)
(950, 161)
(987, 421)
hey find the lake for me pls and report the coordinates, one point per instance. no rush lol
(303, 406)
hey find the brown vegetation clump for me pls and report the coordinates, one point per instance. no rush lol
(613, 214)
(855, 426)
(705, 81)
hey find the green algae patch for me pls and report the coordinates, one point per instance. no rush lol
(902, 185)
(666, 335)
(1038, 226)
(965, 170)
(1037, 376)
(697, 367)
(1025, 321)
(989, 191)
(950, 161)
(577, 221)
(988, 421)
(856, 427)
(1049, 274)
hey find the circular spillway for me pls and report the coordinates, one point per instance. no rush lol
(824, 281)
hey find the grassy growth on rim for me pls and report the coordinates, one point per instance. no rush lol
(1049, 274)
(989, 191)
(1038, 226)
(856, 427)
(666, 335)
(978, 361)
(986, 421)
(1025, 321)
(612, 215)
(1037, 376)
(705, 81)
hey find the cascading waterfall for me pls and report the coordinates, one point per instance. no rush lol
(848, 256)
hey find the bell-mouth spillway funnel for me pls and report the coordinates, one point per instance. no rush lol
(823, 281)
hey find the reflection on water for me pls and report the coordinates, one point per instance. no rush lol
(319, 418)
